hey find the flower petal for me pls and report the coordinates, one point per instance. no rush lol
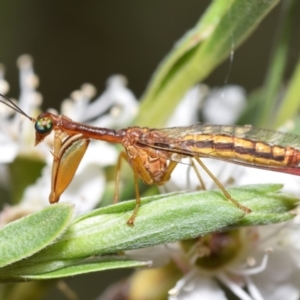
(192, 287)
(281, 279)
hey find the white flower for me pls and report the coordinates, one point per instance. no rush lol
(117, 99)
(16, 133)
(224, 105)
(186, 112)
(17, 138)
(266, 267)
(282, 276)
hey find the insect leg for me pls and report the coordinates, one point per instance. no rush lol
(124, 156)
(167, 173)
(138, 171)
(202, 184)
(221, 187)
(130, 222)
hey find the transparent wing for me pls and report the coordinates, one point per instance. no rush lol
(271, 137)
(237, 144)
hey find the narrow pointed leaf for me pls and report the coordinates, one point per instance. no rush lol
(26, 236)
(89, 267)
(160, 220)
(223, 27)
(291, 102)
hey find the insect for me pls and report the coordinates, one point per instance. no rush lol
(154, 153)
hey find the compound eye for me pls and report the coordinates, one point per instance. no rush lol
(43, 125)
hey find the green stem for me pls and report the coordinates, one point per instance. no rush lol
(291, 104)
(274, 77)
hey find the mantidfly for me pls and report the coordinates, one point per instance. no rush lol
(154, 153)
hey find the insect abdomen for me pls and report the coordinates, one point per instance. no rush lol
(242, 149)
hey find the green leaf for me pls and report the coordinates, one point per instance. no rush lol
(100, 264)
(224, 26)
(275, 74)
(161, 219)
(24, 237)
(268, 207)
(291, 103)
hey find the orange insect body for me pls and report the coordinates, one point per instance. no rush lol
(154, 153)
(237, 144)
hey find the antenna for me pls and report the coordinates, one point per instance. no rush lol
(14, 106)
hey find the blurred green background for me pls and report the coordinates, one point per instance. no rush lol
(73, 42)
